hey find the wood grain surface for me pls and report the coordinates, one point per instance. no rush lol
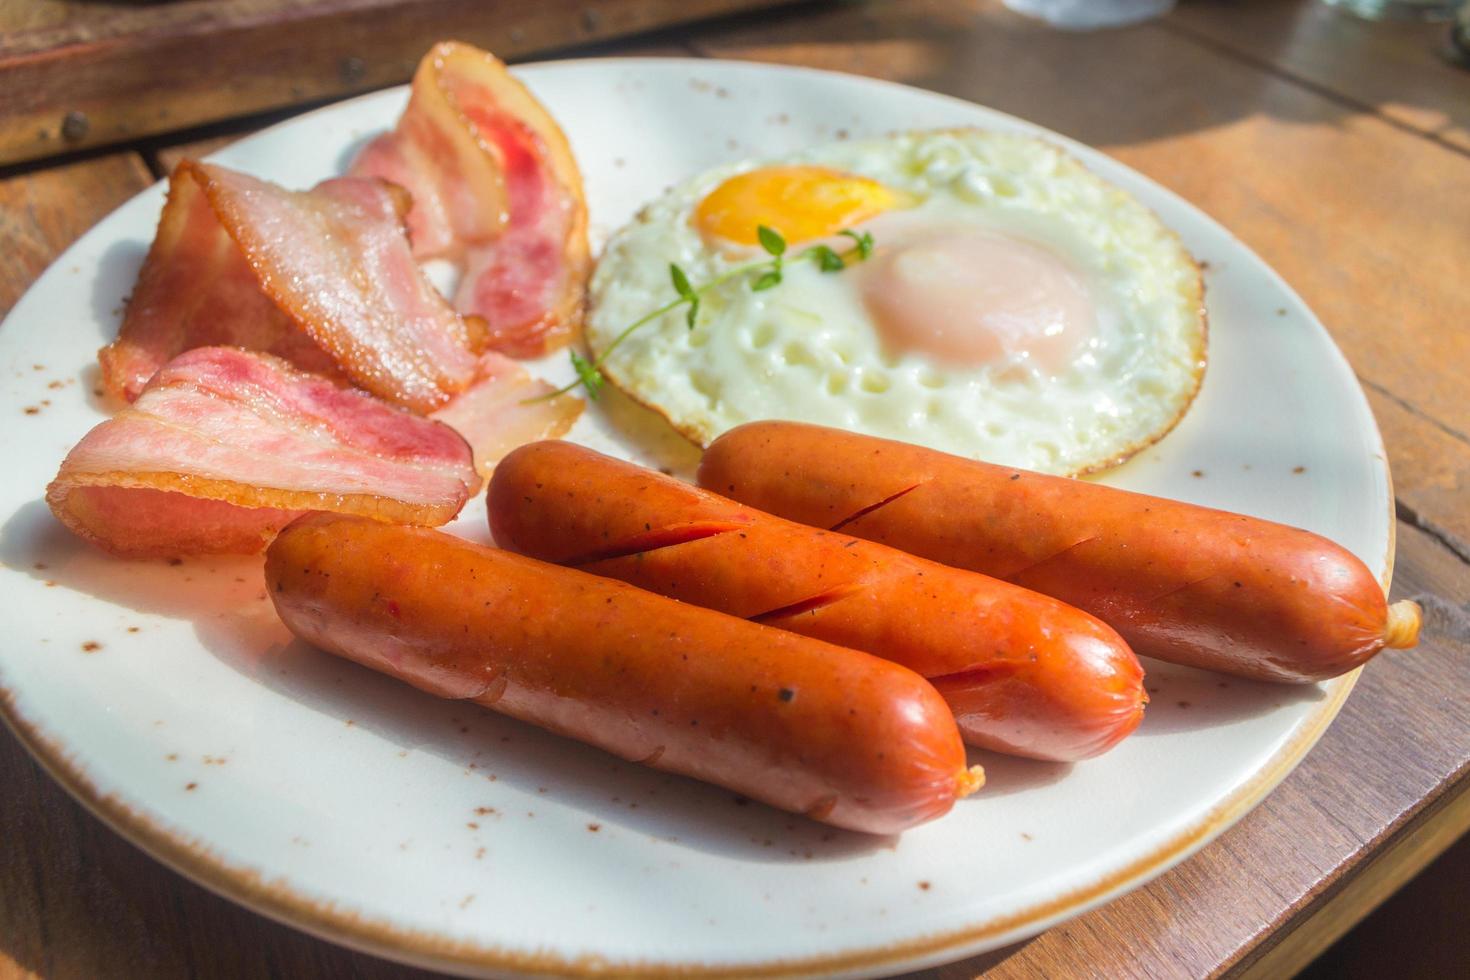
(1337, 152)
(1314, 44)
(77, 75)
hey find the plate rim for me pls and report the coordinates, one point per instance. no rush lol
(279, 901)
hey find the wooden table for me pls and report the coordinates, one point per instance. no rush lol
(1338, 150)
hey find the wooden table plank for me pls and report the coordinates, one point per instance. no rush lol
(1391, 67)
(113, 72)
(1354, 791)
(1367, 221)
(165, 158)
(75, 900)
(43, 212)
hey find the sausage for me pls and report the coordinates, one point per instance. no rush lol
(1023, 673)
(838, 735)
(1182, 583)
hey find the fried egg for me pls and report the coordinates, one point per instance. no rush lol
(1015, 308)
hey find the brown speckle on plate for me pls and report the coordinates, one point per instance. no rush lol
(924, 886)
(593, 828)
(91, 646)
(465, 902)
(172, 757)
(32, 410)
(485, 811)
(1026, 836)
(1298, 469)
(190, 787)
(134, 629)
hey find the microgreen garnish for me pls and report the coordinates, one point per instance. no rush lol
(587, 373)
(864, 242)
(771, 240)
(828, 260)
(766, 280)
(762, 274)
(686, 293)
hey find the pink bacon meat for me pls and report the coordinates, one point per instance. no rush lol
(323, 278)
(495, 187)
(505, 407)
(224, 447)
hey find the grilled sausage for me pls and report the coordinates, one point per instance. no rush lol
(839, 735)
(1024, 673)
(1181, 583)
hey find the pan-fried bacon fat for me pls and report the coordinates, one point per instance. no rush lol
(495, 187)
(324, 278)
(504, 407)
(224, 447)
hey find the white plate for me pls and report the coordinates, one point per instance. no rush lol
(351, 806)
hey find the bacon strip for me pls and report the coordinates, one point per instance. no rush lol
(224, 447)
(324, 278)
(496, 188)
(504, 408)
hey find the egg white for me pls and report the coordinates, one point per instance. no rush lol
(809, 351)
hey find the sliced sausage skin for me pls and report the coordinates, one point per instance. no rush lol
(1025, 674)
(839, 735)
(1182, 583)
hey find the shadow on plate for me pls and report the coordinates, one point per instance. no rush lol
(344, 162)
(117, 272)
(1006, 775)
(517, 764)
(1185, 699)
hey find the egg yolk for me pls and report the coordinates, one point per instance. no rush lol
(971, 297)
(800, 202)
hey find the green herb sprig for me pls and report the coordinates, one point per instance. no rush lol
(762, 274)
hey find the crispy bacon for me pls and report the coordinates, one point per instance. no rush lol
(495, 187)
(506, 407)
(223, 447)
(324, 278)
